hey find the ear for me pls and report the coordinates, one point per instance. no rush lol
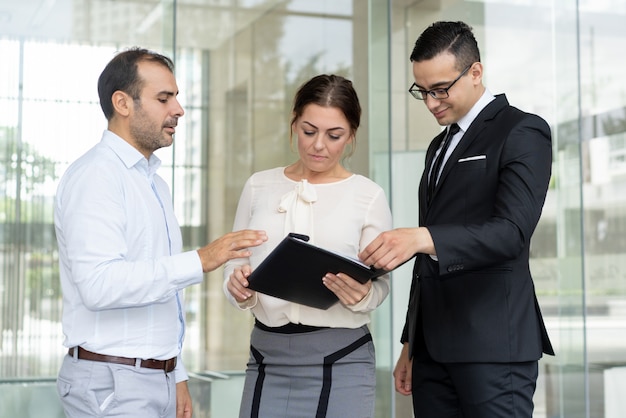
(477, 73)
(122, 103)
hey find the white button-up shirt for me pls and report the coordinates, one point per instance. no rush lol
(121, 264)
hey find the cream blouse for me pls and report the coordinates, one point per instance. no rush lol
(343, 217)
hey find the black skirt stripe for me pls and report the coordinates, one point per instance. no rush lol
(258, 387)
(329, 360)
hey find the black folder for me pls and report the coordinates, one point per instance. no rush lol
(294, 271)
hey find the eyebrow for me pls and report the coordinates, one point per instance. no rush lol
(437, 85)
(331, 129)
(167, 93)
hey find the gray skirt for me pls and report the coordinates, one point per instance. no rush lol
(328, 372)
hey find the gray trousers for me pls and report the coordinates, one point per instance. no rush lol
(329, 373)
(95, 389)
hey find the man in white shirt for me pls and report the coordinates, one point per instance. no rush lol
(120, 249)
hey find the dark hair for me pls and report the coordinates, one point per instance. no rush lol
(453, 37)
(121, 74)
(329, 91)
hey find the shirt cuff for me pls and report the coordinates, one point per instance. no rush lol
(179, 371)
(248, 303)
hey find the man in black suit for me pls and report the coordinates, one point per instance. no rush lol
(474, 333)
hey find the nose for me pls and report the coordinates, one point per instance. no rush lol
(319, 141)
(178, 110)
(431, 102)
(431, 99)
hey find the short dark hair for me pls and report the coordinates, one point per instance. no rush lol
(329, 91)
(453, 37)
(121, 74)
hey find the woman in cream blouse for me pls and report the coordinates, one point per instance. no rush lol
(306, 361)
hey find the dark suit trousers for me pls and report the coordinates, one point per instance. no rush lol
(470, 390)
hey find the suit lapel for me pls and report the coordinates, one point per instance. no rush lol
(473, 132)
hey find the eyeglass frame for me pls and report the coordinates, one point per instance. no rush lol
(420, 94)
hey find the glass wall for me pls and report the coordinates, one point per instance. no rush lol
(238, 64)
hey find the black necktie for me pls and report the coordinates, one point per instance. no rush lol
(434, 173)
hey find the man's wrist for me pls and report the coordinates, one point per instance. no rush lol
(425, 241)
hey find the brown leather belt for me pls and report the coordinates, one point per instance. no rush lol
(166, 365)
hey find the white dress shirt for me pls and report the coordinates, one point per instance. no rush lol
(344, 217)
(121, 264)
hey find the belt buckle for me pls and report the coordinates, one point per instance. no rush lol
(169, 364)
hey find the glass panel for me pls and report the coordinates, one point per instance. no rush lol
(237, 77)
(603, 131)
(379, 146)
(566, 375)
(49, 119)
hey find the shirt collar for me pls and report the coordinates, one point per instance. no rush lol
(484, 100)
(129, 155)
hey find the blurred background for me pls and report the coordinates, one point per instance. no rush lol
(238, 65)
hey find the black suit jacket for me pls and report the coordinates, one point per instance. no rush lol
(478, 300)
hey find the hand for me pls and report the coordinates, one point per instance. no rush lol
(402, 373)
(183, 400)
(238, 283)
(348, 290)
(392, 248)
(229, 246)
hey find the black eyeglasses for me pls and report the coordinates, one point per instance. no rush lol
(441, 93)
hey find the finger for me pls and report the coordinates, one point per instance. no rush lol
(341, 281)
(237, 289)
(408, 380)
(242, 275)
(333, 283)
(388, 261)
(398, 381)
(366, 255)
(329, 281)
(408, 384)
(348, 290)
(247, 238)
(400, 384)
(355, 291)
(380, 257)
(239, 244)
(247, 271)
(240, 296)
(402, 391)
(373, 259)
(232, 289)
(245, 253)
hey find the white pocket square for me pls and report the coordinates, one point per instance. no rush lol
(475, 157)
